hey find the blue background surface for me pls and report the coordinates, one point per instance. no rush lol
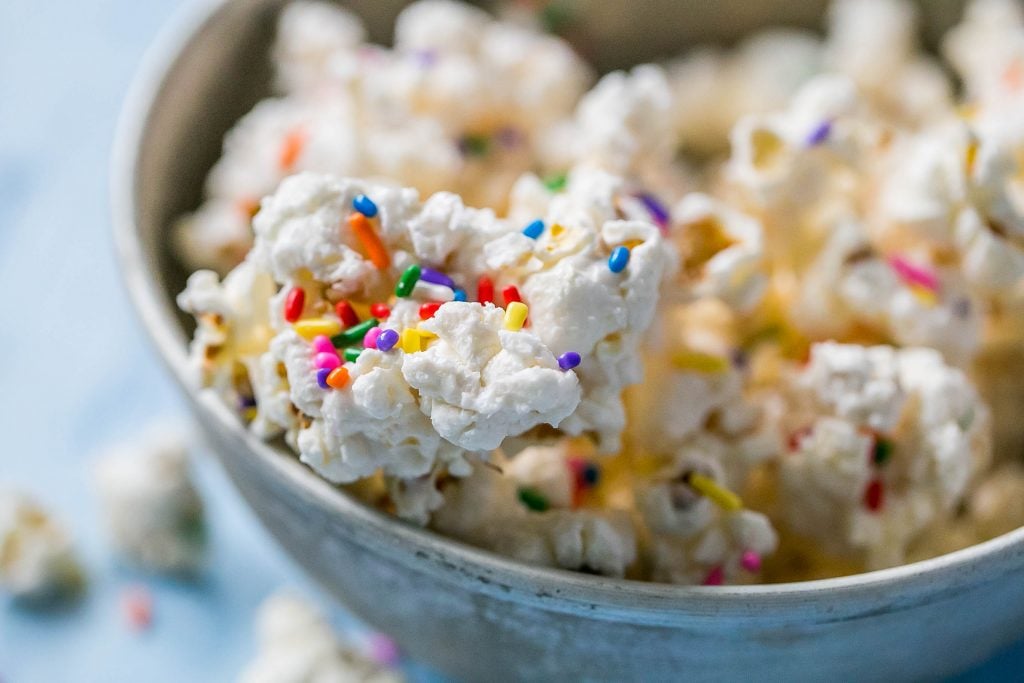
(76, 372)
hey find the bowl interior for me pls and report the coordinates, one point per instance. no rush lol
(213, 66)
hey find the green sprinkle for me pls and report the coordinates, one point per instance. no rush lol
(352, 354)
(474, 145)
(533, 499)
(883, 451)
(556, 17)
(354, 334)
(407, 281)
(556, 182)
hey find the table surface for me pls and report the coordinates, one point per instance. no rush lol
(78, 373)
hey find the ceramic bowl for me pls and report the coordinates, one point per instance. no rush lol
(466, 612)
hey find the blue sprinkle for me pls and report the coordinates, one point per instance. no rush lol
(569, 360)
(618, 260)
(534, 229)
(591, 474)
(321, 378)
(387, 340)
(460, 295)
(819, 134)
(364, 205)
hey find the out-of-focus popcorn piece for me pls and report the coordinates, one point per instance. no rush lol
(515, 517)
(37, 561)
(883, 445)
(296, 645)
(153, 512)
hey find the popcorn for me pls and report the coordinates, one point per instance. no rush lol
(37, 561)
(473, 369)
(297, 645)
(485, 509)
(479, 383)
(152, 510)
(884, 444)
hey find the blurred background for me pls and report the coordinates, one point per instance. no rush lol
(77, 372)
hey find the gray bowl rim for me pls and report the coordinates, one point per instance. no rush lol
(450, 560)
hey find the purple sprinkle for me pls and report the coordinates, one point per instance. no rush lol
(387, 340)
(569, 360)
(509, 136)
(425, 58)
(383, 650)
(739, 358)
(321, 378)
(436, 277)
(654, 207)
(247, 402)
(819, 134)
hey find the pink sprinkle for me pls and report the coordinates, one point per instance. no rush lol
(715, 577)
(912, 274)
(326, 361)
(751, 561)
(370, 339)
(383, 650)
(137, 607)
(322, 344)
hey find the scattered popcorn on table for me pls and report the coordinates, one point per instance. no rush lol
(153, 512)
(296, 645)
(37, 561)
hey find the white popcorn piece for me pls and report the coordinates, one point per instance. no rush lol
(152, 509)
(480, 383)
(722, 251)
(484, 509)
(885, 443)
(692, 539)
(296, 645)
(37, 560)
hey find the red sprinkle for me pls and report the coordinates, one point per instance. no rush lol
(510, 294)
(294, 303)
(380, 311)
(347, 314)
(137, 607)
(874, 496)
(715, 577)
(485, 290)
(428, 309)
(793, 442)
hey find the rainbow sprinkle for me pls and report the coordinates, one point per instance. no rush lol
(618, 260)
(720, 496)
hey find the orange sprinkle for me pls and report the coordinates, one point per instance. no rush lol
(1013, 76)
(248, 206)
(338, 378)
(291, 148)
(375, 249)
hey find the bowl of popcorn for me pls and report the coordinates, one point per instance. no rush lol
(556, 339)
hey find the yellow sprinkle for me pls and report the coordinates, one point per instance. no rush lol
(557, 229)
(411, 341)
(426, 334)
(249, 414)
(699, 362)
(307, 329)
(924, 295)
(971, 155)
(515, 316)
(722, 497)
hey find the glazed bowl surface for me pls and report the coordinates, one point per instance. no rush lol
(469, 613)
